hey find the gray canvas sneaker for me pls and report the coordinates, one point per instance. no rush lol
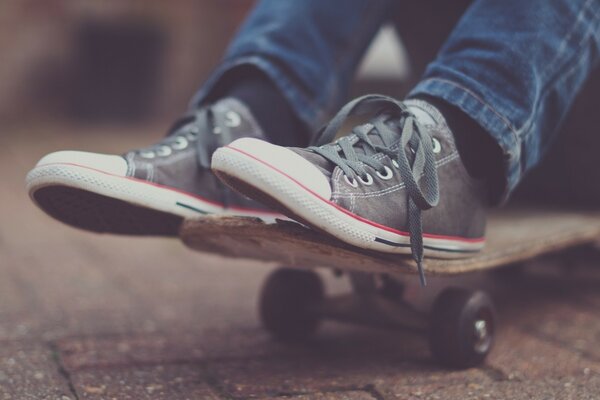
(148, 191)
(395, 184)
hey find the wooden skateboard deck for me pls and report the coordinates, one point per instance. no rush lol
(513, 235)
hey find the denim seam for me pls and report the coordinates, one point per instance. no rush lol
(306, 109)
(563, 45)
(469, 93)
(525, 129)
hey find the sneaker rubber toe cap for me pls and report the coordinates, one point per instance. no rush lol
(283, 161)
(111, 164)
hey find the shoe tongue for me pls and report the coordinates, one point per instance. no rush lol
(424, 112)
(326, 166)
(422, 116)
(238, 117)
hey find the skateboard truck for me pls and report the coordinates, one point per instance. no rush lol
(460, 326)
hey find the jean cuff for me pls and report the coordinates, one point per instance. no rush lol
(310, 113)
(493, 122)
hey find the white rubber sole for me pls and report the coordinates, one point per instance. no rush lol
(99, 201)
(262, 180)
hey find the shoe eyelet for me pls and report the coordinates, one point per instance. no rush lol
(368, 181)
(395, 164)
(353, 182)
(180, 143)
(232, 119)
(388, 173)
(217, 130)
(164, 151)
(192, 133)
(437, 146)
(147, 154)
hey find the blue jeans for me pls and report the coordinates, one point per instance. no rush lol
(513, 66)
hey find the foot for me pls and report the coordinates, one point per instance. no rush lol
(396, 184)
(148, 191)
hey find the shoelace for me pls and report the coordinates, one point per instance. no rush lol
(414, 158)
(193, 127)
(208, 129)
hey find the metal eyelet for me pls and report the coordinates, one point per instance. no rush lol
(395, 164)
(232, 119)
(352, 182)
(147, 154)
(217, 130)
(164, 151)
(388, 173)
(368, 181)
(180, 143)
(192, 134)
(437, 146)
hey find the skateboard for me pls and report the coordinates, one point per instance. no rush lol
(461, 323)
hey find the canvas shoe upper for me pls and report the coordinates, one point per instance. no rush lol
(395, 184)
(148, 191)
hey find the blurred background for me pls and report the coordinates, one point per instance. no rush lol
(128, 61)
(108, 61)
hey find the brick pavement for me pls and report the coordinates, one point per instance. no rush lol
(84, 316)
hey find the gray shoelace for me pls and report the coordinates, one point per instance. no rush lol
(209, 130)
(415, 157)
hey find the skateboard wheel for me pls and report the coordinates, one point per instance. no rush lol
(288, 304)
(463, 324)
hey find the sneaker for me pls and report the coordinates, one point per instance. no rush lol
(148, 191)
(395, 184)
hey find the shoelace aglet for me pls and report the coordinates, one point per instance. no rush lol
(421, 273)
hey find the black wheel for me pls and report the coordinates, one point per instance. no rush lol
(463, 324)
(288, 304)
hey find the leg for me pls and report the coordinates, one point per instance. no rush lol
(569, 172)
(309, 49)
(423, 41)
(515, 68)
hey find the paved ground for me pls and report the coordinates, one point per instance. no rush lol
(91, 317)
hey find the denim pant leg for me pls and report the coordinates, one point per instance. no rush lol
(309, 49)
(515, 67)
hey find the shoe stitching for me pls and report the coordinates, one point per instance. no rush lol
(130, 164)
(150, 173)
